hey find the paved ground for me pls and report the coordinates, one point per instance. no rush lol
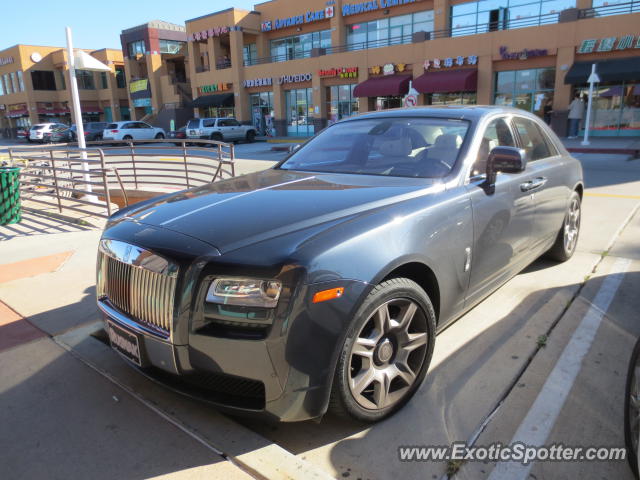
(489, 362)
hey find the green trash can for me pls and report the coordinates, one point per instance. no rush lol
(9, 195)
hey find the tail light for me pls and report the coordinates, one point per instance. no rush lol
(114, 131)
(86, 133)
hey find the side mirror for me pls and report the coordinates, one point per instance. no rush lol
(506, 160)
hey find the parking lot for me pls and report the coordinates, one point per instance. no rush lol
(66, 396)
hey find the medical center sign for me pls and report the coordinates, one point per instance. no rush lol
(372, 5)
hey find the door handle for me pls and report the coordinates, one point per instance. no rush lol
(533, 184)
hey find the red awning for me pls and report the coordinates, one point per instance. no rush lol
(90, 109)
(465, 80)
(383, 86)
(17, 113)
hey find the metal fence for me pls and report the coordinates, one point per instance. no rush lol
(66, 177)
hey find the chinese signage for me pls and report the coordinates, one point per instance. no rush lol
(505, 54)
(371, 5)
(258, 82)
(448, 62)
(609, 44)
(305, 77)
(211, 32)
(6, 60)
(308, 17)
(340, 72)
(388, 69)
(216, 87)
(138, 86)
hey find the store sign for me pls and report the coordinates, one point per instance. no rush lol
(505, 54)
(138, 86)
(448, 62)
(2, 106)
(141, 102)
(304, 77)
(609, 44)
(214, 88)
(308, 17)
(363, 7)
(211, 33)
(340, 72)
(6, 60)
(388, 69)
(258, 82)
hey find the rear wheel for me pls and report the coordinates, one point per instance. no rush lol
(159, 136)
(251, 136)
(127, 137)
(632, 409)
(386, 353)
(217, 137)
(567, 239)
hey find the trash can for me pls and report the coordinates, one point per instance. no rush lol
(9, 195)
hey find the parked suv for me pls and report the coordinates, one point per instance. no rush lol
(132, 131)
(220, 129)
(36, 132)
(92, 131)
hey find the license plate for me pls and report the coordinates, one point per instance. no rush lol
(125, 343)
(192, 132)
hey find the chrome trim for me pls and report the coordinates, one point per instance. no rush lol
(138, 257)
(114, 314)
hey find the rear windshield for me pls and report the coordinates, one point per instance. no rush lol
(112, 125)
(194, 123)
(37, 127)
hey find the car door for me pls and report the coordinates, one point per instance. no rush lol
(235, 131)
(545, 181)
(224, 128)
(502, 221)
(144, 131)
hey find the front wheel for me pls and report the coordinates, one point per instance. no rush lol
(217, 137)
(159, 136)
(567, 239)
(251, 136)
(632, 409)
(386, 353)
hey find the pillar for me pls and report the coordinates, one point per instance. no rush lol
(154, 70)
(441, 13)
(319, 103)
(236, 45)
(279, 109)
(485, 80)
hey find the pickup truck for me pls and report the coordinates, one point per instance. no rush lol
(220, 129)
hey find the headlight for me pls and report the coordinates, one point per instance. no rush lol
(248, 292)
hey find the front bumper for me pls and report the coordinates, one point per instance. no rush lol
(286, 376)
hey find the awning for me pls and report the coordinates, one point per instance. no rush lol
(90, 109)
(383, 86)
(445, 81)
(220, 100)
(17, 113)
(608, 70)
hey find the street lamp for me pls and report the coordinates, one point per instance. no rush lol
(83, 61)
(593, 79)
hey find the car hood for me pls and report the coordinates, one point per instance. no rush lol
(241, 211)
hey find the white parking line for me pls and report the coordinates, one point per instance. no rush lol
(536, 426)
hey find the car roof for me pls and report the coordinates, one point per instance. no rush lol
(460, 112)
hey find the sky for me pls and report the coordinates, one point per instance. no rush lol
(95, 23)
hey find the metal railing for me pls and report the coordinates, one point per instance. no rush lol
(606, 10)
(58, 176)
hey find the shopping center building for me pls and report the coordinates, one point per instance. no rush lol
(34, 87)
(293, 66)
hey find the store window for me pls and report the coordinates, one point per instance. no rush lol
(7, 84)
(62, 82)
(20, 80)
(103, 81)
(1, 86)
(453, 98)
(299, 46)
(388, 31)
(121, 82)
(14, 82)
(85, 80)
(615, 109)
(529, 90)
(385, 103)
(489, 15)
(136, 48)
(171, 46)
(219, 112)
(43, 80)
(299, 109)
(261, 105)
(250, 54)
(341, 103)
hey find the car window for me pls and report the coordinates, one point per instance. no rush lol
(128, 126)
(193, 123)
(497, 134)
(144, 125)
(232, 122)
(531, 139)
(111, 126)
(399, 147)
(209, 122)
(223, 122)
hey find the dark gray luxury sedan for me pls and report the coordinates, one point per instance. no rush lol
(321, 283)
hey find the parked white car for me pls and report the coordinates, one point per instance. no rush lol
(132, 130)
(220, 129)
(36, 132)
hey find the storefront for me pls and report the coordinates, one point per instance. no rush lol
(340, 84)
(530, 89)
(386, 87)
(616, 101)
(299, 103)
(215, 105)
(261, 104)
(449, 81)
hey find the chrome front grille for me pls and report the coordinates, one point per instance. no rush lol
(139, 283)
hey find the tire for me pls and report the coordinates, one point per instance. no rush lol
(379, 354)
(127, 137)
(567, 239)
(159, 136)
(251, 136)
(217, 137)
(632, 410)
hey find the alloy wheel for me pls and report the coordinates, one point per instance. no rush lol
(634, 409)
(572, 225)
(387, 354)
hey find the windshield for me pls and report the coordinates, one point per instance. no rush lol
(399, 147)
(195, 123)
